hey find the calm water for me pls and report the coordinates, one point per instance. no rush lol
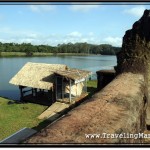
(10, 66)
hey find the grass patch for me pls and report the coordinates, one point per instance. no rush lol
(91, 87)
(12, 54)
(14, 117)
(22, 54)
(38, 54)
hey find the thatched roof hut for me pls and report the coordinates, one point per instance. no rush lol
(37, 75)
(54, 78)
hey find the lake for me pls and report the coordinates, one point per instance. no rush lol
(10, 66)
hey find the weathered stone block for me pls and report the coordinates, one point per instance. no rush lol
(118, 109)
(104, 77)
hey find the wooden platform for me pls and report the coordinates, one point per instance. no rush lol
(41, 98)
(54, 109)
(58, 108)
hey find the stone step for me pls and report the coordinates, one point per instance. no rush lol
(57, 107)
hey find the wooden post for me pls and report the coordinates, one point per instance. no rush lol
(62, 87)
(21, 93)
(32, 92)
(76, 89)
(56, 87)
(54, 93)
(49, 94)
(35, 92)
(70, 91)
(52, 97)
(86, 85)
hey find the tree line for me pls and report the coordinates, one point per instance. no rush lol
(29, 49)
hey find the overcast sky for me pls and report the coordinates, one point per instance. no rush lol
(57, 24)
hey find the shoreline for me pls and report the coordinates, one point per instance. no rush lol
(36, 54)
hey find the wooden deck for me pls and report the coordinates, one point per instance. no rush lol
(58, 108)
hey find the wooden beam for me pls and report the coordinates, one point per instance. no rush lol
(20, 86)
(27, 91)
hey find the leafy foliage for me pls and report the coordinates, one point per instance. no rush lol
(29, 49)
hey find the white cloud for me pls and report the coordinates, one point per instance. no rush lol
(6, 30)
(135, 11)
(84, 7)
(26, 40)
(9, 32)
(84, 40)
(33, 35)
(91, 34)
(10, 35)
(75, 34)
(115, 41)
(42, 8)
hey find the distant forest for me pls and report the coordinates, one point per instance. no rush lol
(28, 48)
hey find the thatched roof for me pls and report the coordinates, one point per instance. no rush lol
(74, 74)
(37, 75)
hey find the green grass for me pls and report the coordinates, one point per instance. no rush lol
(91, 86)
(14, 117)
(74, 54)
(12, 54)
(22, 54)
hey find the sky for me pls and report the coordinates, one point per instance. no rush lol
(50, 24)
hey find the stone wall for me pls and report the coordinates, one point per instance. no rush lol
(117, 109)
(121, 107)
(104, 77)
(135, 54)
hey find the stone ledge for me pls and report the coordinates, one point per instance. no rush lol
(118, 108)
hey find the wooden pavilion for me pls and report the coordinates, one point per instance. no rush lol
(47, 83)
